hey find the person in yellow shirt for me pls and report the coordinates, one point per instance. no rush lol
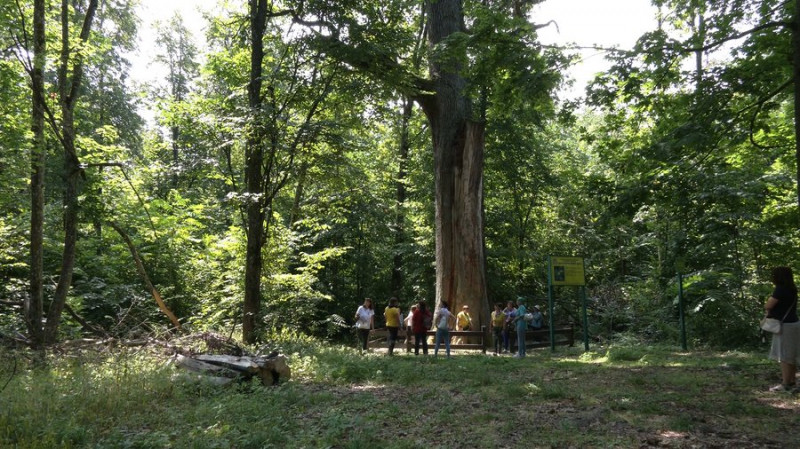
(392, 315)
(497, 324)
(463, 320)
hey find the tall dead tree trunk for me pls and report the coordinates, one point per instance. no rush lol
(458, 143)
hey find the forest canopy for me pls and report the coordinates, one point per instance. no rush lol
(301, 156)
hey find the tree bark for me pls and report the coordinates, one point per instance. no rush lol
(223, 369)
(298, 193)
(458, 144)
(69, 89)
(254, 160)
(796, 78)
(34, 309)
(399, 223)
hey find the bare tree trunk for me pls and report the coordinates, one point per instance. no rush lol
(34, 309)
(175, 156)
(458, 144)
(399, 222)
(72, 174)
(269, 156)
(254, 160)
(298, 192)
(796, 77)
(69, 89)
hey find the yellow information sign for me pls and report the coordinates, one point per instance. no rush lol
(567, 271)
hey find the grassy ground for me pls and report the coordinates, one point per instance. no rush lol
(618, 396)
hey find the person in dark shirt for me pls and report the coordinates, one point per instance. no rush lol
(782, 305)
(420, 325)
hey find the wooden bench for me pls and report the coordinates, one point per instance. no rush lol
(381, 337)
(540, 338)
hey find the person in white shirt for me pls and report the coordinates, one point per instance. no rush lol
(407, 323)
(364, 322)
(442, 320)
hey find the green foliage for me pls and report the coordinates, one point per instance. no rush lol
(14, 179)
(677, 171)
(699, 162)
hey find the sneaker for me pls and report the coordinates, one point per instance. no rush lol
(782, 388)
(516, 356)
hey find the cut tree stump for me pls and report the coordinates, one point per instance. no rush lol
(224, 369)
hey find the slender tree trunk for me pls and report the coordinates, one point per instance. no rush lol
(175, 156)
(254, 160)
(458, 144)
(298, 192)
(34, 309)
(796, 78)
(72, 175)
(399, 222)
(69, 89)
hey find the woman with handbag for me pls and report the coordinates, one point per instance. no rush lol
(782, 305)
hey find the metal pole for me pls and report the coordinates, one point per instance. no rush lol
(585, 319)
(680, 311)
(550, 317)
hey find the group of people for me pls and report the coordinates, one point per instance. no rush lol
(781, 305)
(517, 317)
(420, 320)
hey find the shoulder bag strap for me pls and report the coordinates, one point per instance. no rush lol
(789, 310)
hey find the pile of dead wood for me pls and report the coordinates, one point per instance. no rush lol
(221, 360)
(223, 369)
(208, 356)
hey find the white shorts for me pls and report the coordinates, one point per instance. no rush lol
(786, 345)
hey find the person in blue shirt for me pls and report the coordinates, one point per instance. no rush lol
(522, 326)
(538, 319)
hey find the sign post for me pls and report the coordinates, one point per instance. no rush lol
(566, 271)
(550, 317)
(680, 311)
(585, 319)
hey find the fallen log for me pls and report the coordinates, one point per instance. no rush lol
(226, 368)
(215, 374)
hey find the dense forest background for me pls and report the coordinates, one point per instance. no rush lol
(681, 159)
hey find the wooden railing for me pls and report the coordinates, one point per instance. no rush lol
(540, 338)
(476, 340)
